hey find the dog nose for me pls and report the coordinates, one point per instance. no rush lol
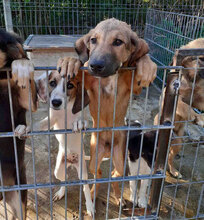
(56, 102)
(97, 65)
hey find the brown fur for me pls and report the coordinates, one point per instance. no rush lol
(131, 52)
(183, 106)
(10, 50)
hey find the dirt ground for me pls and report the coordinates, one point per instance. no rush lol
(41, 155)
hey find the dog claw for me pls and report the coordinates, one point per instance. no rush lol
(59, 194)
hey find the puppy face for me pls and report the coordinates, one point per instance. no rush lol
(57, 92)
(191, 61)
(110, 45)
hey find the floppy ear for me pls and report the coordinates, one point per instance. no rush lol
(41, 84)
(82, 47)
(16, 51)
(140, 49)
(174, 59)
(77, 107)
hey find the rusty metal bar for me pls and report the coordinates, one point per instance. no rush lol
(163, 140)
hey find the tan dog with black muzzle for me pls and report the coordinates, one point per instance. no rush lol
(110, 45)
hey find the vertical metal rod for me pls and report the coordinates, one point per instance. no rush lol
(65, 143)
(156, 139)
(97, 138)
(49, 151)
(33, 150)
(14, 141)
(82, 148)
(7, 15)
(112, 141)
(169, 144)
(200, 201)
(140, 152)
(163, 139)
(127, 141)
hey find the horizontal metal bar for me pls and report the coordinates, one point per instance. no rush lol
(148, 217)
(40, 68)
(81, 182)
(191, 52)
(89, 130)
(186, 183)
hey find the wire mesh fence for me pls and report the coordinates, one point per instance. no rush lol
(40, 176)
(169, 25)
(78, 17)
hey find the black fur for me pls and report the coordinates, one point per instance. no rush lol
(9, 44)
(148, 145)
(7, 156)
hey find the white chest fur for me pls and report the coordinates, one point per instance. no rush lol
(73, 140)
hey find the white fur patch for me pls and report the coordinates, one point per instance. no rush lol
(141, 199)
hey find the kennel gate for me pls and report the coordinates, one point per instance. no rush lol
(157, 175)
(155, 30)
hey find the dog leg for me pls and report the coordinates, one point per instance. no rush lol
(133, 167)
(174, 150)
(12, 198)
(92, 164)
(142, 198)
(118, 161)
(60, 174)
(86, 189)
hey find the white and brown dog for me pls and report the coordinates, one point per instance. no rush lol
(57, 97)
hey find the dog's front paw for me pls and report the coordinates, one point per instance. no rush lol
(142, 202)
(132, 198)
(59, 194)
(21, 130)
(90, 209)
(199, 120)
(79, 125)
(68, 66)
(22, 72)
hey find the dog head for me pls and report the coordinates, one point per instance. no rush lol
(110, 45)
(191, 61)
(56, 90)
(10, 48)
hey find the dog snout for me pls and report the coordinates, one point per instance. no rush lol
(97, 65)
(56, 103)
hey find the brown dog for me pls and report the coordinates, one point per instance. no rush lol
(184, 111)
(111, 45)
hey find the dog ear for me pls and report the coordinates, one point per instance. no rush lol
(82, 46)
(77, 107)
(16, 51)
(140, 48)
(42, 87)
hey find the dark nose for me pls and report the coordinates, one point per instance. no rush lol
(97, 65)
(56, 102)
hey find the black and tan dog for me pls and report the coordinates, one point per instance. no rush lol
(12, 54)
(184, 111)
(110, 45)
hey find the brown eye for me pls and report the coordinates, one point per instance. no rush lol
(117, 42)
(93, 40)
(70, 85)
(53, 83)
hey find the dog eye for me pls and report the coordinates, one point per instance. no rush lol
(201, 59)
(117, 42)
(53, 83)
(93, 40)
(70, 85)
